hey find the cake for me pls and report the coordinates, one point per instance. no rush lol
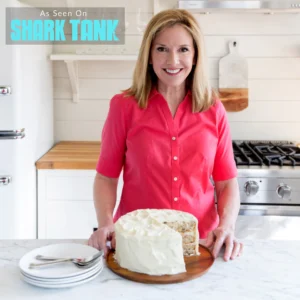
(155, 241)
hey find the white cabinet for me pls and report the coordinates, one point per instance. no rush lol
(65, 203)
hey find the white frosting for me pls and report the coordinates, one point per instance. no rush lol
(138, 247)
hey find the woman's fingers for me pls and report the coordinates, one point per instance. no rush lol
(229, 247)
(113, 241)
(102, 237)
(236, 249)
(90, 242)
(218, 245)
(220, 237)
(93, 241)
(241, 249)
(210, 239)
(99, 238)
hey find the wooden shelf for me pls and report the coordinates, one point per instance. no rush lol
(71, 61)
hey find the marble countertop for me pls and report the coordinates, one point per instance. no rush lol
(267, 270)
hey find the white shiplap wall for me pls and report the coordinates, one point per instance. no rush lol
(271, 44)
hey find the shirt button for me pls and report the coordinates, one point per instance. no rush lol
(175, 157)
(175, 199)
(173, 138)
(175, 178)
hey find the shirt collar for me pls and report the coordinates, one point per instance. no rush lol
(154, 92)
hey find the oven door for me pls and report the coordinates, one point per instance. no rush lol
(268, 222)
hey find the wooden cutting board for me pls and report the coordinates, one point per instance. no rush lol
(195, 267)
(233, 80)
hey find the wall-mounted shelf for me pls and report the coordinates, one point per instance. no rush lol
(71, 61)
(240, 6)
(77, 57)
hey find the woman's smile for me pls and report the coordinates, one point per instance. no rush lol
(173, 72)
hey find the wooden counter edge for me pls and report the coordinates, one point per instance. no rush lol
(49, 165)
(44, 162)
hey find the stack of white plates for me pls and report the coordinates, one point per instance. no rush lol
(61, 275)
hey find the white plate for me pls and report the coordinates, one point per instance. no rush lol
(87, 272)
(63, 270)
(64, 280)
(62, 285)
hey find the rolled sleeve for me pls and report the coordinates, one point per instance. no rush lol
(113, 141)
(224, 164)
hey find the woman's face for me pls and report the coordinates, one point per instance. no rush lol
(172, 55)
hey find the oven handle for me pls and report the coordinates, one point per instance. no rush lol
(269, 210)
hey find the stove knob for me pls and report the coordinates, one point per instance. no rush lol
(284, 191)
(251, 188)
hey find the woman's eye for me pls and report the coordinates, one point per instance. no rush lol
(161, 49)
(184, 49)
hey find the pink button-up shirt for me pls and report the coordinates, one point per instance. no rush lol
(168, 162)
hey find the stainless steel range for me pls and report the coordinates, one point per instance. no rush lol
(269, 181)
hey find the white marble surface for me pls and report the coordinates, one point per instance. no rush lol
(267, 270)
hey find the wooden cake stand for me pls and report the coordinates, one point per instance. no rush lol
(195, 267)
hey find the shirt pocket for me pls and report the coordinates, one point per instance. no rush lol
(139, 155)
(195, 173)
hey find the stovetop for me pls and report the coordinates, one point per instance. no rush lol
(266, 153)
(268, 172)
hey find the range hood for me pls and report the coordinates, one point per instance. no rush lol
(247, 6)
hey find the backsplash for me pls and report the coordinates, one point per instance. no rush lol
(271, 44)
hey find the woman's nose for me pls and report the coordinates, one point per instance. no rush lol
(172, 58)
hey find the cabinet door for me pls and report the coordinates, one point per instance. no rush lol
(65, 204)
(70, 219)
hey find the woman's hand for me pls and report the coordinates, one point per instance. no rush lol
(222, 236)
(101, 236)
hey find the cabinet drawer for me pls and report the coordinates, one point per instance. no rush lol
(70, 219)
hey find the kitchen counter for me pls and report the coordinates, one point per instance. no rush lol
(71, 155)
(266, 270)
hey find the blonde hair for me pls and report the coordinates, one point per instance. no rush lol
(144, 78)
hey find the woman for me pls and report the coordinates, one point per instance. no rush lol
(170, 134)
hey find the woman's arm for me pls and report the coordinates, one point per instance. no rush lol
(105, 193)
(109, 166)
(228, 204)
(228, 201)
